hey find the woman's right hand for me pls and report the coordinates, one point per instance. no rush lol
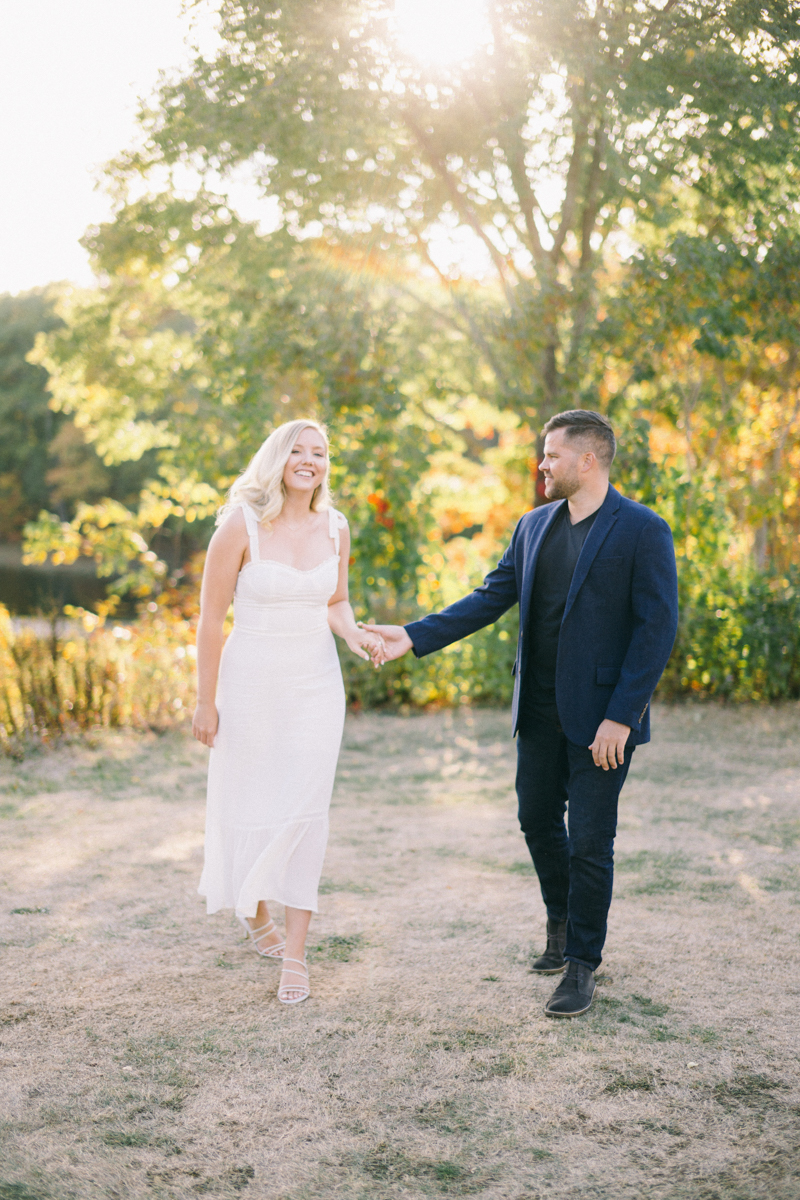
(205, 723)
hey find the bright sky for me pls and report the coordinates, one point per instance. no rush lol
(70, 75)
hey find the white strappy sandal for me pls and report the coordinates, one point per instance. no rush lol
(274, 951)
(304, 987)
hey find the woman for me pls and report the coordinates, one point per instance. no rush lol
(272, 704)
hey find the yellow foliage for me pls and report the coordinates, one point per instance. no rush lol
(139, 676)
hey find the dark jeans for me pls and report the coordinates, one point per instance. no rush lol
(575, 867)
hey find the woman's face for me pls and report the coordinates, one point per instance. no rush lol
(308, 463)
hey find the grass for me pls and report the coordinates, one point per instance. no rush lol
(422, 1066)
(338, 948)
(387, 1164)
(629, 1083)
(18, 1191)
(749, 1088)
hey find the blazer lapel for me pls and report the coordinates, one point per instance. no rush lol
(604, 520)
(531, 557)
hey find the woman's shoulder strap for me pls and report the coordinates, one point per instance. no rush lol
(251, 524)
(336, 521)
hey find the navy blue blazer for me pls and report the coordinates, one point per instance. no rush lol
(619, 622)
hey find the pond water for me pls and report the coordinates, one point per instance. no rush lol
(27, 590)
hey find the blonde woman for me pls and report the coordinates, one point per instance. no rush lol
(271, 704)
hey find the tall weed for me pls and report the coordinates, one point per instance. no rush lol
(93, 676)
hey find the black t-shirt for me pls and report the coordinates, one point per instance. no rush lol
(554, 570)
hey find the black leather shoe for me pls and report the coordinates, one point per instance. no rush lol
(573, 995)
(552, 961)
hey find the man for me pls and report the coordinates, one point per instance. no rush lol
(594, 575)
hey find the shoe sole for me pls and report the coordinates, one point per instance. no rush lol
(548, 970)
(549, 1013)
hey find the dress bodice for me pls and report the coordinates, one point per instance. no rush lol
(273, 598)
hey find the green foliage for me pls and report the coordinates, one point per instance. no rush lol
(739, 639)
(674, 124)
(705, 334)
(206, 336)
(45, 461)
(27, 424)
(620, 105)
(104, 532)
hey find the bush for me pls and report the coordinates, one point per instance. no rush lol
(739, 639)
(139, 676)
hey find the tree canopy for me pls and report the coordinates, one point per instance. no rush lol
(628, 171)
(544, 145)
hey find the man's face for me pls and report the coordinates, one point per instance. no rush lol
(560, 464)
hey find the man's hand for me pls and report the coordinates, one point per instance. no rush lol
(367, 645)
(395, 639)
(608, 747)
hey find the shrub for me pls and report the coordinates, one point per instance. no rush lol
(739, 639)
(140, 675)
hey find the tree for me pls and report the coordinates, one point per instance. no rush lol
(204, 337)
(575, 119)
(45, 461)
(704, 338)
(27, 424)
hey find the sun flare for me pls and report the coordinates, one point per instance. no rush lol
(441, 31)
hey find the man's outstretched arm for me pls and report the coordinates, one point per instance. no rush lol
(496, 595)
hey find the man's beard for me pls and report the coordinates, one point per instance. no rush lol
(562, 489)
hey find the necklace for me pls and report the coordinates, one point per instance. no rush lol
(294, 528)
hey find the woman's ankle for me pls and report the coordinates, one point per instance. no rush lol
(293, 951)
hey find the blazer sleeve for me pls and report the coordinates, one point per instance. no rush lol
(496, 595)
(654, 596)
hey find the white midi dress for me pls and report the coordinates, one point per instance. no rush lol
(281, 705)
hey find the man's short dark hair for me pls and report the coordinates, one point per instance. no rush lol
(590, 426)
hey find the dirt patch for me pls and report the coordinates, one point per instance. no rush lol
(144, 1054)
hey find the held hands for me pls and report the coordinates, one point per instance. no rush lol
(396, 641)
(608, 747)
(205, 723)
(367, 645)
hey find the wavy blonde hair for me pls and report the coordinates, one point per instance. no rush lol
(261, 483)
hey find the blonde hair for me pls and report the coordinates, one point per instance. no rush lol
(261, 483)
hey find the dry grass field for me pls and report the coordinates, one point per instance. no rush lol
(144, 1054)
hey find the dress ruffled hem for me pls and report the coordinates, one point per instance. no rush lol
(273, 864)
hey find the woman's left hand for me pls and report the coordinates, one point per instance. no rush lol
(368, 646)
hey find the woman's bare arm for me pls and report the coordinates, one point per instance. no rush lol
(223, 563)
(341, 617)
